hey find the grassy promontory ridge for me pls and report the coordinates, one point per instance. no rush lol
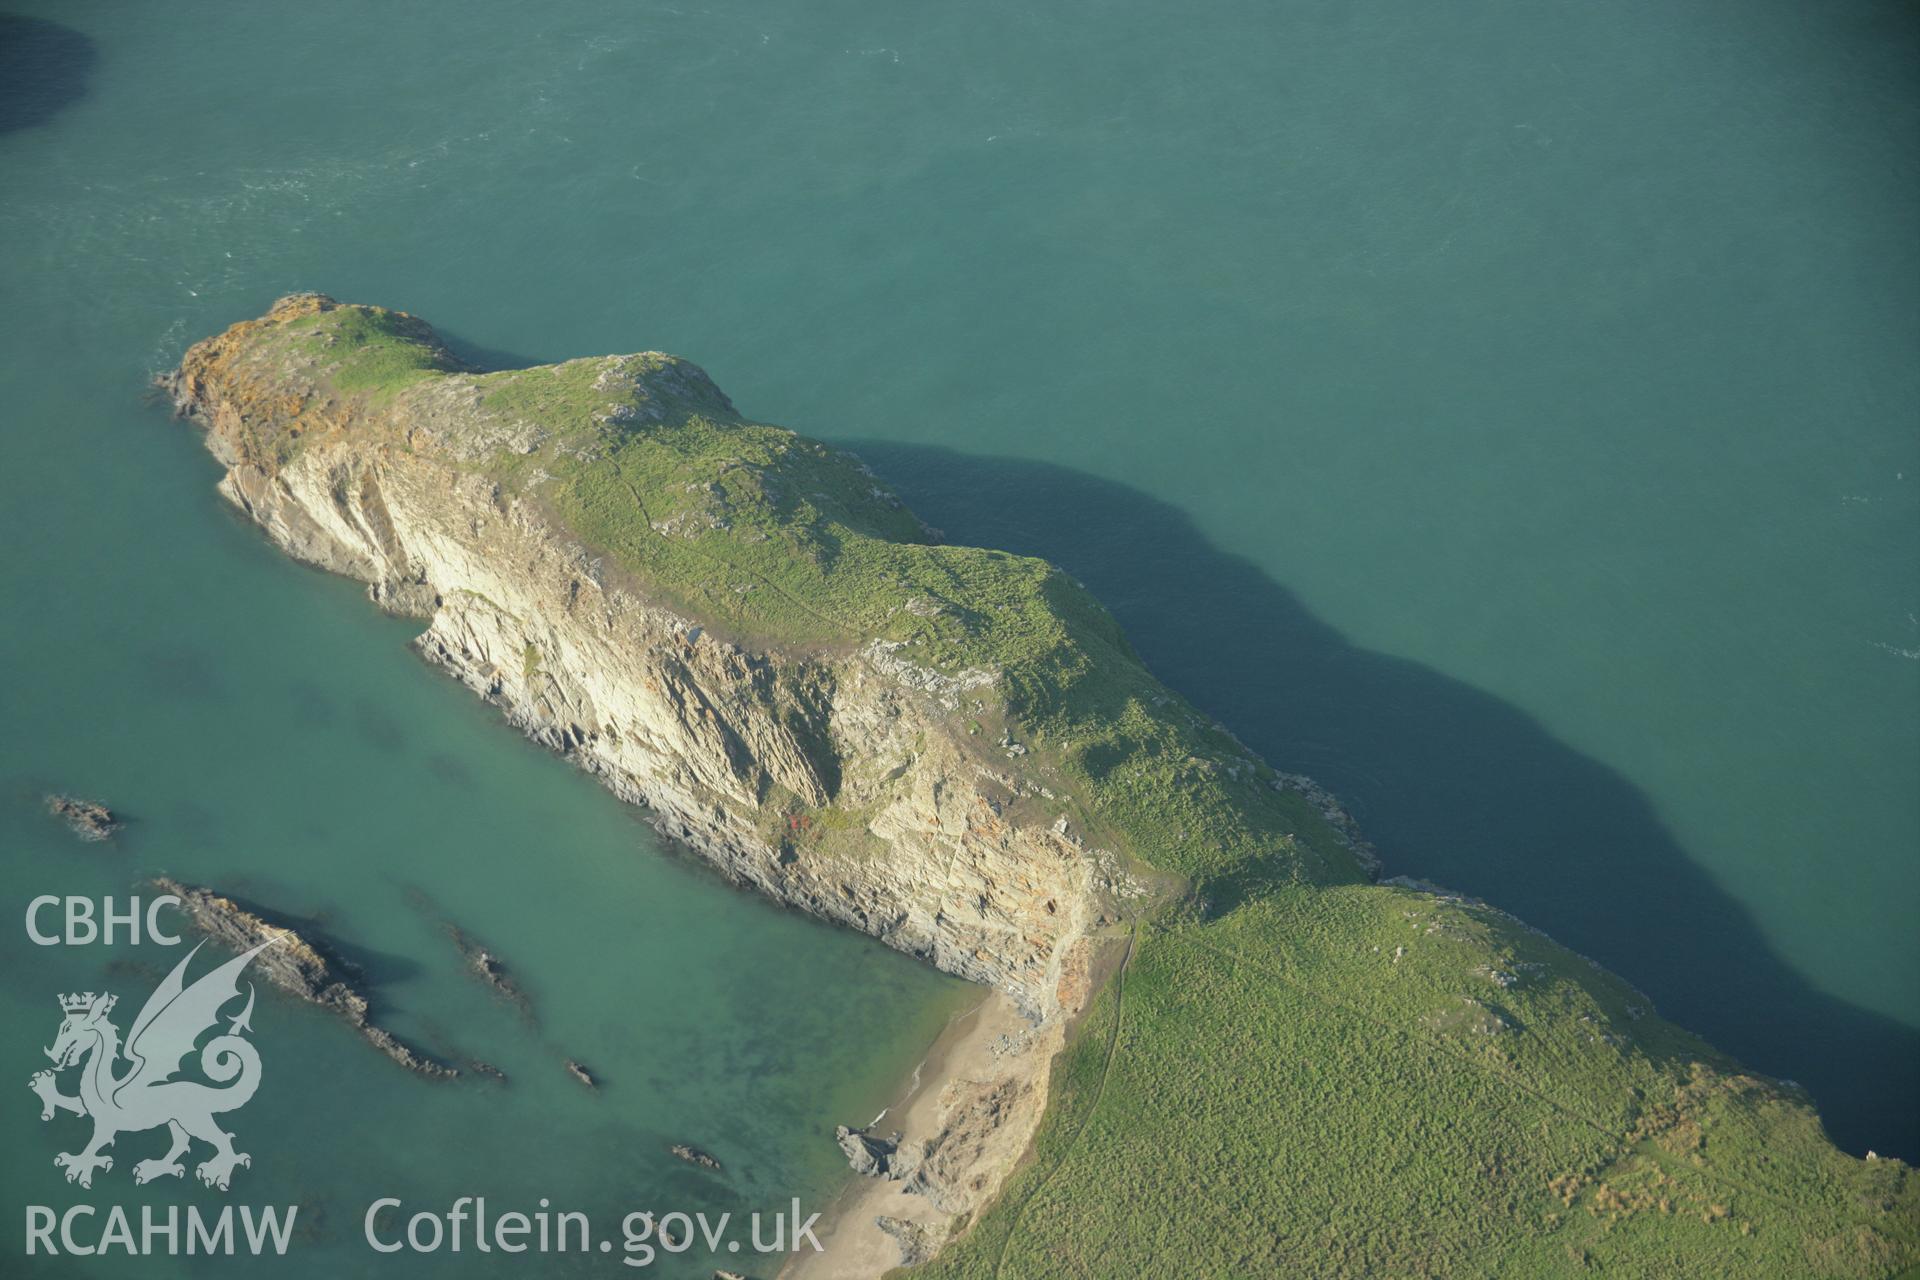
(1294, 1071)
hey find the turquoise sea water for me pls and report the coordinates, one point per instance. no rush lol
(1504, 412)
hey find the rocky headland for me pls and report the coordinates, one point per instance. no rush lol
(1246, 1042)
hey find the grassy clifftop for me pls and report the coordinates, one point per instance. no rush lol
(1294, 1071)
(1370, 1081)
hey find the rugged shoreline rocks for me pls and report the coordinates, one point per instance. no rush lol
(867, 1155)
(303, 966)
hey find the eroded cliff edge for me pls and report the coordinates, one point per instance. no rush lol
(954, 750)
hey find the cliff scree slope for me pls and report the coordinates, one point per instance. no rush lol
(1268, 1063)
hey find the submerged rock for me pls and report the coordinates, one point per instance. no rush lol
(487, 967)
(307, 967)
(694, 1155)
(88, 819)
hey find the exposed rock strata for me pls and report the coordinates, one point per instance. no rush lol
(306, 967)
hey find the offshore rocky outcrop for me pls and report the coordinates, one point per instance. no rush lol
(955, 750)
(88, 819)
(301, 965)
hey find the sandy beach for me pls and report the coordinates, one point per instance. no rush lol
(969, 1111)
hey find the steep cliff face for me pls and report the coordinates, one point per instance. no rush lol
(844, 782)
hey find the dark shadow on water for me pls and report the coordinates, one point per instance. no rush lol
(1453, 784)
(377, 727)
(186, 672)
(486, 359)
(43, 70)
(368, 967)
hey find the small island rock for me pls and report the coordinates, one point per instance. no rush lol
(88, 819)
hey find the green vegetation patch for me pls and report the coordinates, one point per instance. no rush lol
(371, 349)
(1287, 1090)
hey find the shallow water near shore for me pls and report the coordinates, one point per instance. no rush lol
(1505, 415)
(379, 809)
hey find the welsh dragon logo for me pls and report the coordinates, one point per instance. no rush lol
(145, 1095)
